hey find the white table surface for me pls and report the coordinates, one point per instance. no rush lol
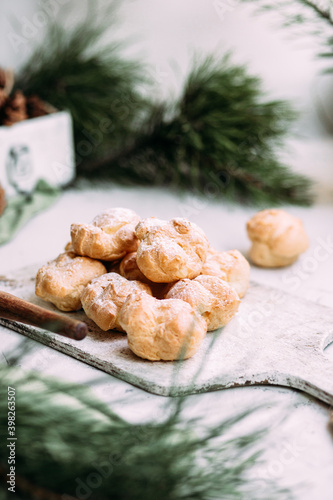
(298, 446)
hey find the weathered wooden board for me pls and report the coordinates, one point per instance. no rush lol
(275, 339)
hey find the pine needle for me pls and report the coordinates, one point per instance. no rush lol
(305, 17)
(71, 444)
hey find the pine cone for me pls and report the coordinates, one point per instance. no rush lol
(3, 97)
(3, 93)
(2, 77)
(15, 109)
(2, 200)
(36, 107)
(6, 85)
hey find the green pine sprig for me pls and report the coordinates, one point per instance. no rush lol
(73, 446)
(306, 17)
(220, 139)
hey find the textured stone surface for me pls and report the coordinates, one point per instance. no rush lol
(275, 339)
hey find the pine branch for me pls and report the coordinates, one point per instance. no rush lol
(219, 139)
(285, 5)
(322, 13)
(67, 437)
(312, 15)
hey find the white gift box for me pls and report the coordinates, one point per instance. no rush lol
(37, 148)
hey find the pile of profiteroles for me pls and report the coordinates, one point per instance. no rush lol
(160, 281)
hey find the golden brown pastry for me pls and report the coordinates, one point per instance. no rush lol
(210, 296)
(278, 238)
(69, 247)
(161, 329)
(170, 251)
(128, 268)
(62, 280)
(109, 236)
(230, 266)
(103, 297)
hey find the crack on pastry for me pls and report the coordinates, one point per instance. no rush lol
(103, 298)
(161, 329)
(214, 299)
(230, 266)
(62, 280)
(170, 250)
(110, 235)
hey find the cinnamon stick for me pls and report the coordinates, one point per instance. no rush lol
(16, 309)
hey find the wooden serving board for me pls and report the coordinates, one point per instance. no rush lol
(275, 339)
